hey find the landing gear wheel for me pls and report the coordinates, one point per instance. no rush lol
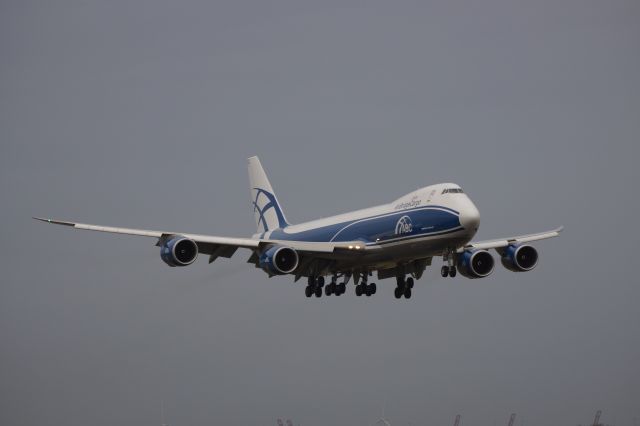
(410, 282)
(398, 292)
(444, 271)
(318, 291)
(373, 288)
(407, 293)
(320, 282)
(367, 290)
(342, 288)
(308, 290)
(327, 290)
(359, 290)
(452, 271)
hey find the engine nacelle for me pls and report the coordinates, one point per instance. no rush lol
(179, 251)
(475, 263)
(519, 258)
(279, 260)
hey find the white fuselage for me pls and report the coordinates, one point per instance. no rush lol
(420, 224)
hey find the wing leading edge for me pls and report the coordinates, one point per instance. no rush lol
(216, 246)
(504, 242)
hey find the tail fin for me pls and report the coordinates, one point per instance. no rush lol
(266, 209)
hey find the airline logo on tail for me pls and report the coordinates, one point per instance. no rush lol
(267, 210)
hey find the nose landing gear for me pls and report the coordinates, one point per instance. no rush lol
(448, 271)
(450, 268)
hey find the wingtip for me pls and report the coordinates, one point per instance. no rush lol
(560, 229)
(56, 222)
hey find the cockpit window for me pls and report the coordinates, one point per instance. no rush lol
(452, 191)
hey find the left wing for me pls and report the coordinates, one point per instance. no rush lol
(504, 242)
(216, 246)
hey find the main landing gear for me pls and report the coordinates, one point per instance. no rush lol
(335, 288)
(403, 287)
(316, 284)
(363, 288)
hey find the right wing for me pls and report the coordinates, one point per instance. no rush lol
(504, 242)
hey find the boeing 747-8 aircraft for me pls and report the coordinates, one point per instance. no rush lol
(396, 240)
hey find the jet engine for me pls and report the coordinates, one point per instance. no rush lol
(519, 257)
(279, 260)
(178, 251)
(475, 263)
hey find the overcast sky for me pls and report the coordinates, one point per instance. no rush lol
(142, 114)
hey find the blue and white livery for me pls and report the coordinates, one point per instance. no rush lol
(395, 240)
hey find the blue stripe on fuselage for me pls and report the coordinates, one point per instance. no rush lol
(431, 220)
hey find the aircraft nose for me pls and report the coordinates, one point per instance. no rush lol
(470, 217)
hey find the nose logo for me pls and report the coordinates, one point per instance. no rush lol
(404, 225)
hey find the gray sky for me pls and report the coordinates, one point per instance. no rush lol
(142, 114)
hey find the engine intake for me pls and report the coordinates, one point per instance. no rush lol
(279, 260)
(178, 251)
(519, 258)
(475, 263)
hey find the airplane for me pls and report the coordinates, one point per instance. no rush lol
(395, 240)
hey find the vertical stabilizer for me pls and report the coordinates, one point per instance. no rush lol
(266, 208)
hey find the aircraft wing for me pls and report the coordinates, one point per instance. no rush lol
(216, 246)
(504, 242)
